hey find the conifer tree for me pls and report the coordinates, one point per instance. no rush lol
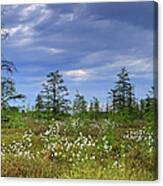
(39, 106)
(54, 93)
(91, 106)
(8, 89)
(107, 106)
(123, 93)
(96, 103)
(79, 104)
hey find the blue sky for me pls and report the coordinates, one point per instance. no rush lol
(87, 43)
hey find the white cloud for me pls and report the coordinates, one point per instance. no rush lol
(30, 9)
(20, 30)
(97, 57)
(49, 50)
(110, 59)
(54, 50)
(134, 64)
(20, 35)
(77, 75)
(108, 67)
(24, 33)
(63, 18)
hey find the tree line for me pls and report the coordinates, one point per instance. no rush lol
(53, 97)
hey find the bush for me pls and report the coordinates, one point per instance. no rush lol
(13, 120)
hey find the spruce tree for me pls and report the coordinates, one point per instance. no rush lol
(39, 106)
(54, 93)
(8, 89)
(96, 103)
(79, 104)
(91, 106)
(123, 92)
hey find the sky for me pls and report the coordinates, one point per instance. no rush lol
(88, 43)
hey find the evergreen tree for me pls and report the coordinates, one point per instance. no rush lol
(54, 93)
(8, 89)
(91, 107)
(94, 105)
(123, 93)
(39, 106)
(8, 92)
(79, 104)
(150, 100)
(107, 106)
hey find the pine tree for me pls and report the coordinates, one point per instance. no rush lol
(8, 89)
(150, 100)
(107, 106)
(123, 93)
(96, 103)
(91, 107)
(39, 106)
(79, 104)
(8, 92)
(54, 93)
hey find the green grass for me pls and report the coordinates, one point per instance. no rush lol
(88, 151)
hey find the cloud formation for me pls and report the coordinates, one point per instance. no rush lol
(88, 43)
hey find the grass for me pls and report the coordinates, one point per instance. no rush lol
(78, 150)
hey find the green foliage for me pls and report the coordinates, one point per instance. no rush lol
(12, 118)
(122, 95)
(94, 105)
(21, 167)
(8, 89)
(53, 95)
(78, 148)
(79, 104)
(51, 141)
(39, 106)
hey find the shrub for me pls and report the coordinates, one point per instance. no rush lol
(14, 120)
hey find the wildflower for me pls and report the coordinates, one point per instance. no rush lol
(93, 158)
(78, 155)
(115, 164)
(70, 160)
(47, 133)
(80, 133)
(106, 146)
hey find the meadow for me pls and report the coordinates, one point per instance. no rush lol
(57, 138)
(101, 123)
(79, 147)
